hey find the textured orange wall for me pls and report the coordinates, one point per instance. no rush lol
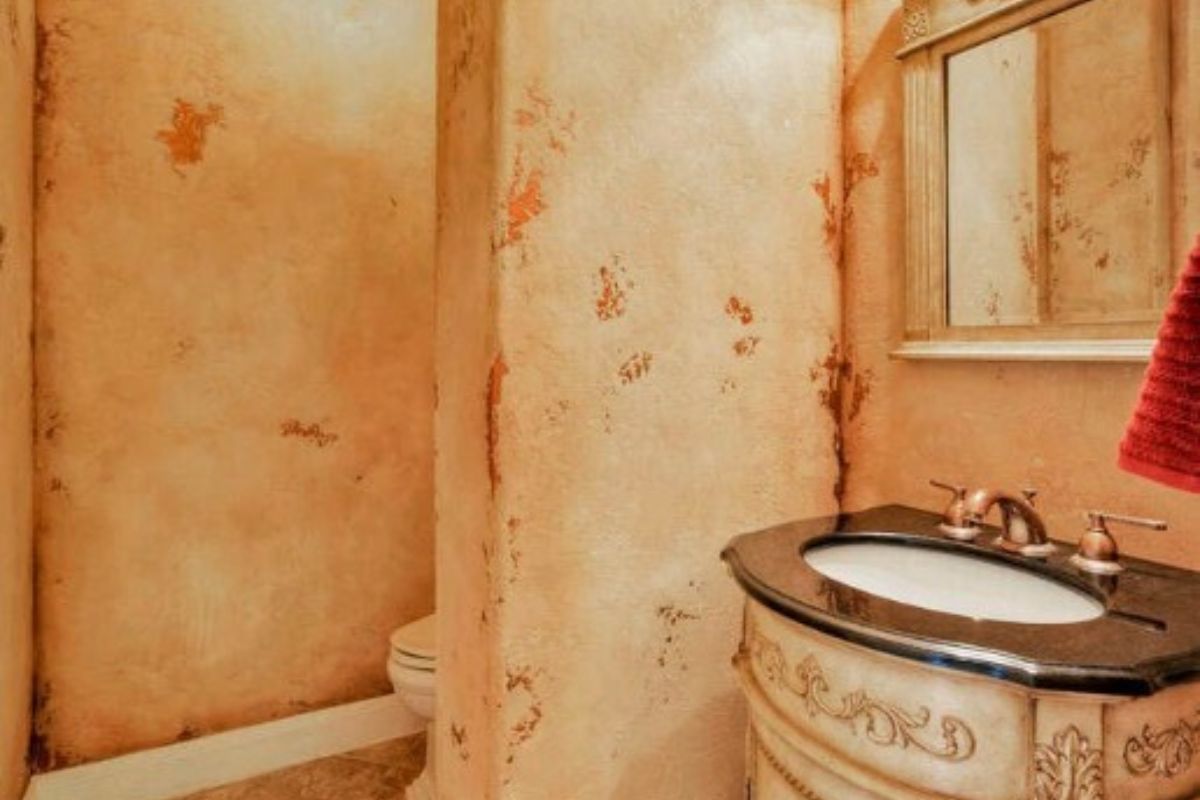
(234, 358)
(664, 277)
(16, 380)
(1053, 426)
(470, 383)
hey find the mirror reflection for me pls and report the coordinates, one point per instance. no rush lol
(1059, 170)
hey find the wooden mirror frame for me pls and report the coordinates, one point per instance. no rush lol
(934, 30)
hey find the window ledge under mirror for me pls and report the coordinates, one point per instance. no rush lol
(1127, 351)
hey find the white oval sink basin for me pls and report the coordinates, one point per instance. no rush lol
(953, 583)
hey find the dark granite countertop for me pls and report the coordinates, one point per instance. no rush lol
(1147, 639)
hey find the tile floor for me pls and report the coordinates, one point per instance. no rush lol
(377, 773)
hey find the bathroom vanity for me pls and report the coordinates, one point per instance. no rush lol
(989, 675)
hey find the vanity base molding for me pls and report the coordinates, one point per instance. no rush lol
(831, 720)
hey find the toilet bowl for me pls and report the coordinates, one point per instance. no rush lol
(412, 668)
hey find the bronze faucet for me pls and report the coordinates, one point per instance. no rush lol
(1023, 530)
(955, 523)
(1098, 553)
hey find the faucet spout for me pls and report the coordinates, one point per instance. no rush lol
(1022, 528)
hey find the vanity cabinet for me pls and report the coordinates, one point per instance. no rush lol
(834, 721)
(855, 697)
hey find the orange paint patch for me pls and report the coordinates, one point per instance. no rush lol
(860, 167)
(519, 679)
(495, 389)
(294, 428)
(838, 215)
(523, 730)
(524, 201)
(458, 735)
(745, 347)
(53, 425)
(524, 679)
(610, 302)
(187, 733)
(1132, 168)
(463, 43)
(48, 48)
(14, 25)
(183, 347)
(1022, 206)
(739, 310)
(671, 650)
(991, 305)
(1029, 257)
(514, 553)
(635, 367)
(542, 128)
(1060, 172)
(860, 389)
(857, 169)
(556, 411)
(830, 373)
(186, 138)
(823, 188)
(540, 114)
(672, 616)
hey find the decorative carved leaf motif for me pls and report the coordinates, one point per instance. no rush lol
(1068, 768)
(881, 723)
(1167, 752)
(916, 20)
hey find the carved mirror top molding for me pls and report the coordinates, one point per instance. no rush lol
(1049, 145)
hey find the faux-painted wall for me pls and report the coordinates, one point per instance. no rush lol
(16, 381)
(648, 234)
(1052, 426)
(470, 385)
(235, 363)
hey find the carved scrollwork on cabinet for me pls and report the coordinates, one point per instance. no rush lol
(1166, 753)
(1068, 768)
(882, 723)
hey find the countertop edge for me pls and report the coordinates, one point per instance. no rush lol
(1144, 680)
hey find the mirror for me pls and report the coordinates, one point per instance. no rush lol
(1046, 150)
(1058, 158)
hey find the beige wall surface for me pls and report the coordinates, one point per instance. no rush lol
(235, 364)
(1052, 426)
(16, 380)
(664, 256)
(470, 381)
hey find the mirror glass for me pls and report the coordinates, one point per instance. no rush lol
(1058, 159)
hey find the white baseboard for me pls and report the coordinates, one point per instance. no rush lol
(211, 761)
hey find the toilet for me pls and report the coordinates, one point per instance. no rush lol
(412, 668)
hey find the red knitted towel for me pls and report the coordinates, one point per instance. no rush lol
(1162, 441)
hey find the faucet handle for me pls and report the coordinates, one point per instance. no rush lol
(1098, 552)
(955, 522)
(1097, 519)
(960, 492)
